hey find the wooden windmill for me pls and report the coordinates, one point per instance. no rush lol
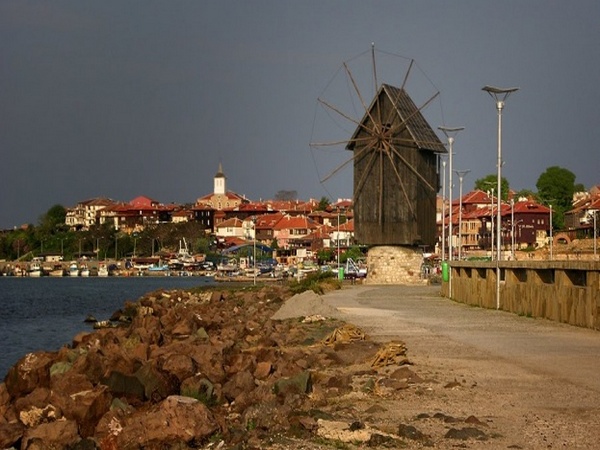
(396, 160)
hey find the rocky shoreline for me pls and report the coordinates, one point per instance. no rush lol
(239, 369)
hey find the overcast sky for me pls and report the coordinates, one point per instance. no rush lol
(125, 98)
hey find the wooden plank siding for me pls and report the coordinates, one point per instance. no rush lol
(393, 204)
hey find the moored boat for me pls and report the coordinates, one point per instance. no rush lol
(73, 270)
(84, 270)
(56, 271)
(102, 270)
(34, 269)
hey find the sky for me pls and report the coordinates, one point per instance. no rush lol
(121, 98)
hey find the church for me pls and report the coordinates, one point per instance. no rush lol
(221, 199)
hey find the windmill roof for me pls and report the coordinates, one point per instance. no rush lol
(421, 133)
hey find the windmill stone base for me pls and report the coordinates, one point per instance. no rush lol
(394, 265)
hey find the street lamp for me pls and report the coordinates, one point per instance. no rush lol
(499, 95)
(450, 133)
(443, 210)
(512, 228)
(254, 249)
(491, 222)
(461, 174)
(595, 233)
(551, 243)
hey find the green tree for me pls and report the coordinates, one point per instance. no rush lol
(556, 187)
(53, 220)
(323, 204)
(526, 193)
(491, 182)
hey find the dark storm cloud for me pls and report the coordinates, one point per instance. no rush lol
(121, 99)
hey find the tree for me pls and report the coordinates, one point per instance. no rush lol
(53, 219)
(491, 182)
(526, 193)
(323, 204)
(556, 187)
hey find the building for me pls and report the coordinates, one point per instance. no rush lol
(221, 199)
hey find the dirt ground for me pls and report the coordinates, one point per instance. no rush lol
(451, 394)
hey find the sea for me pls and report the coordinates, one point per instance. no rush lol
(46, 313)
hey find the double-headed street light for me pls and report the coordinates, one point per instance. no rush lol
(499, 95)
(450, 133)
(443, 210)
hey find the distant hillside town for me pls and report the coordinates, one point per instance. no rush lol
(308, 226)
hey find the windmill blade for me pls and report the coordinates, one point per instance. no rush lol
(363, 178)
(380, 199)
(401, 182)
(342, 142)
(415, 112)
(345, 163)
(412, 169)
(345, 116)
(360, 97)
(407, 73)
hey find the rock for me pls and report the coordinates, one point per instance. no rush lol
(58, 434)
(86, 408)
(175, 419)
(238, 383)
(179, 365)
(411, 432)
(263, 370)
(299, 384)
(157, 384)
(30, 372)
(199, 388)
(466, 433)
(10, 433)
(120, 384)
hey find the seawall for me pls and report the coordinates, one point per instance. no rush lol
(562, 291)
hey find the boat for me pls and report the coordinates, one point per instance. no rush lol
(183, 259)
(102, 270)
(35, 268)
(73, 270)
(56, 271)
(84, 270)
(158, 268)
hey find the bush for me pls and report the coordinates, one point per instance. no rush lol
(318, 282)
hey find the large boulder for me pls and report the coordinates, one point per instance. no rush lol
(175, 419)
(30, 372)
(51, 435)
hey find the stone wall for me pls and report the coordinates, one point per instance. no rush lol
(394, 265)
(562, 291)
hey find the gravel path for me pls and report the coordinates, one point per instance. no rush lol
(536, 382)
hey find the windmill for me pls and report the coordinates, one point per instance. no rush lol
(395, 159)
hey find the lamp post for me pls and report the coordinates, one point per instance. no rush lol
(254, 249)
(461, 175)
(595, 233)
(450, 133)
(499, 95)
(551, 243)
(338, 241)
(512, 228)
(443, 210)
(491, 222)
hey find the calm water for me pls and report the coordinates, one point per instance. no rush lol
(46, 313)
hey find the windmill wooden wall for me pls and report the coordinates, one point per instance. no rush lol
(395, 189)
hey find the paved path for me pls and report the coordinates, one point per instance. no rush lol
(435, 327)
